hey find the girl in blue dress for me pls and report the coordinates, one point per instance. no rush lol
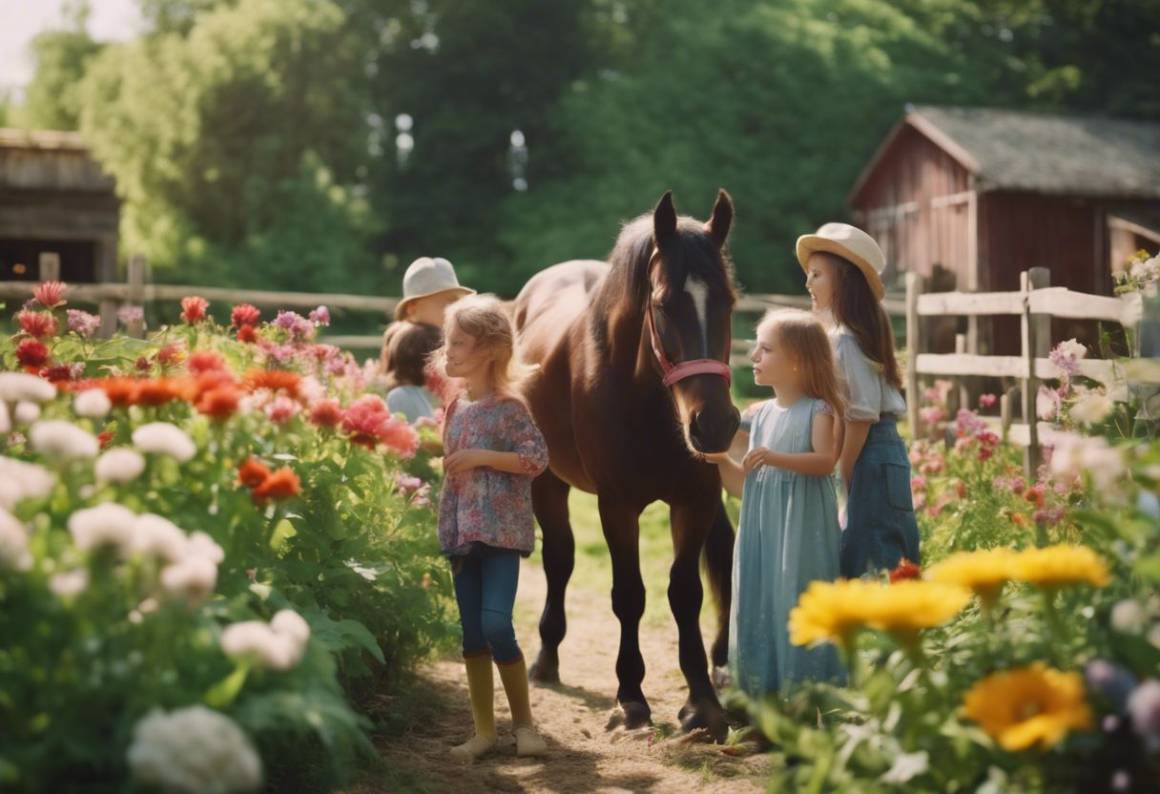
(788, 535)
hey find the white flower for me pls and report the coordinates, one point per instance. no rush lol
(5, 418)
(108, 524)
(163, 438)
(20, 480)
(26, 413)
(60, 439)
(92, 403)
(202, 545)
(191, 579)
(278, 645)
(1046, 403)
(1092, 408)
(1073, 455)
(13, 543)
(70, 583)
(159, 537)
(1071, 349)
(193, 750)
(17, 386)
(119, 465)
(1128, 616)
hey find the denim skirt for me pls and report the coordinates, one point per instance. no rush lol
(880, 525)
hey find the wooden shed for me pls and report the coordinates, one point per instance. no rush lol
(970, 197)
(55, 199)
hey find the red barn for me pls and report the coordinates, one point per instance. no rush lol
(970, 197)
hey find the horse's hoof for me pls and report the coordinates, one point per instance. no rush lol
(709, 717)
(630, 714)
(545, 671)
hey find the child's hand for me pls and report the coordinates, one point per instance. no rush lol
(759, 456)
(465, 460)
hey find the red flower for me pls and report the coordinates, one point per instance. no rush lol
(220, 403)
(37, 324)
(106, 438)
(120, 391)
(32, 354)
(273, 379)
(169, 354)
(205, 361)
(281, 484)
(159, 391)
(363, 420)
(50, 294)
(247, 334)
(905, 570)
(244, 314)
(400, 437)
(143, 364)
(60, 373)
(1036, 494)
(252, 473)
(208, 381)
(326, 413)
(987, 400)
(193, 309)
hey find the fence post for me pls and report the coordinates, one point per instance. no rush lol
(49, 266)
(961, 382)
(1036, 338)
(137, 293)
(913, 346)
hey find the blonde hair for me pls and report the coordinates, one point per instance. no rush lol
(806, 341)
(484, 319)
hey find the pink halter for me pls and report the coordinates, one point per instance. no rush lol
(673, 373)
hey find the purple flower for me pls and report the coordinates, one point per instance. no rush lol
(1144, 706)
(83, 323)
(1111, 681)
(298, 326)
(968, 423)
(1066, 356)
(281, 354)
(320, 316)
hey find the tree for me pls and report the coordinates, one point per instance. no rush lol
(52, 99)
(228, 143)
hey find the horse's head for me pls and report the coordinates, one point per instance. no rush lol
(688, 319)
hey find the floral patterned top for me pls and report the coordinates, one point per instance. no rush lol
(483, 505)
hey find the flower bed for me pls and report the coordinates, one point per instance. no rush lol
(212, 542)
(1023, 656)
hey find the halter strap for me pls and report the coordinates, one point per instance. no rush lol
(672, 373)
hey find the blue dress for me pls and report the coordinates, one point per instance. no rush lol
(788, 536)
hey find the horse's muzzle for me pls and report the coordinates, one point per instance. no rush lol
(713, 430)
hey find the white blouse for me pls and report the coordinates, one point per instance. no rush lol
(868, 394)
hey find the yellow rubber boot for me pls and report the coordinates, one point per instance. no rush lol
(481, 688)
(515, 683)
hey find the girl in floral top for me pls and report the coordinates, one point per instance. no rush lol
(492, 451)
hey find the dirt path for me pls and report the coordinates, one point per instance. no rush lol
(584, 756)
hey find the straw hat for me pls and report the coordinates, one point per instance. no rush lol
(428, 276)
(850, 243)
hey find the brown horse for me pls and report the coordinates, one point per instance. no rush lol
(633, 386)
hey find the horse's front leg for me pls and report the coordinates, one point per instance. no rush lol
(621, 524)
(690, 523)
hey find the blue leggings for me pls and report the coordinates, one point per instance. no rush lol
(485, 587)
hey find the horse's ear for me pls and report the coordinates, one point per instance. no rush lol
(721, 219)
(664, 220)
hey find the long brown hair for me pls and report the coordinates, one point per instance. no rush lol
(484, 319)
(856, 308)
(805, 339)
(407, 347)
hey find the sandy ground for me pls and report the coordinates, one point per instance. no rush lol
(584, 756)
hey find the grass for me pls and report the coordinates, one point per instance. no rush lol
(593, 569)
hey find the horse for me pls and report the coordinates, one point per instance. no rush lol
(631, 389)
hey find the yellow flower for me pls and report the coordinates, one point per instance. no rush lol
(1028, 705)
(830, 611)
(903, 608)
(1054, 566)
(983, 572)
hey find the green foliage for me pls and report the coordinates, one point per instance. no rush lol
(53, 99)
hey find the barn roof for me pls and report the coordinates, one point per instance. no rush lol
(1039, 153)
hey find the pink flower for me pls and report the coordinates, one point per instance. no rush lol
(987, 400)
(129, 315)
(326, 413)
(245, 314)
(1047, 403)
(299, 327)
(932, 415)
(1049, 516)
(369, 423)
(37, 324)
(169, 354)
(917, 483)
(83, 323)
(281, 409)
(50, 294)
(201, 361)
(193, 309)
(968, 423)
(320, 316)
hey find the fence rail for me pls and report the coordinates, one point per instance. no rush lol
(1035, 303)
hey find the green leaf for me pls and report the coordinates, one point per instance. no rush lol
(223, 693)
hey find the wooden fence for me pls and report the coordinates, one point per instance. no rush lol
(1035, 303)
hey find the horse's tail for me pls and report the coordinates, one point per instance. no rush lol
(718, 562)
